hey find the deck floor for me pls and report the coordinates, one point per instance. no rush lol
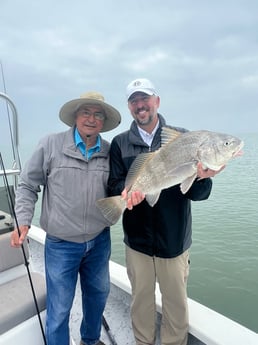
(117, 312)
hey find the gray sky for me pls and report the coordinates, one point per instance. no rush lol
(202, 57)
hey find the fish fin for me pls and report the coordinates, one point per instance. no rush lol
(136, 167)
(168, 135)
(187, 183)
(152, 198)
(111, 208)
(184, 170)
(185, 174)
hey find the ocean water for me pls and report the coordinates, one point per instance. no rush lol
(224, 253)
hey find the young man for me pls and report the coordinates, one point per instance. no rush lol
(73, 168)
(157, 238)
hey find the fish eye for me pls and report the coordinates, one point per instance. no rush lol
(228, 142)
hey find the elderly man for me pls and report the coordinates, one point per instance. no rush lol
(73, 168)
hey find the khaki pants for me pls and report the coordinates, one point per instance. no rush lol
(171, 274)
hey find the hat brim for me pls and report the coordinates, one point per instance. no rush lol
(67, 112)
(147, 92)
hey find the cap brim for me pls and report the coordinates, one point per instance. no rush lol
(67, 113)
(147, 92)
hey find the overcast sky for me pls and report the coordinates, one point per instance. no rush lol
(202, 57)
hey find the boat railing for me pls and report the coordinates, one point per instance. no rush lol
(16, 168)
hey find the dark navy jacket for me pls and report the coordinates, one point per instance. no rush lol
(164, 230)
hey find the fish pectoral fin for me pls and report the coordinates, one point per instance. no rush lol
(111, 208)
(183, 171)
(152, 198)
(187, 183)
(185, 174)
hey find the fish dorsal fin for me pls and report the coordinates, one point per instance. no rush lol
(152, 198)
(136, 167)
(168, 135)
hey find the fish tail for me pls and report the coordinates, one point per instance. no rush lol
(111, 208)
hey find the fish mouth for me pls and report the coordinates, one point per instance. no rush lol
(239, 151)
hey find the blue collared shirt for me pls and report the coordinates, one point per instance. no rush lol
(82, 146)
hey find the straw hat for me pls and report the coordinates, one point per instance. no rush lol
(68, 110)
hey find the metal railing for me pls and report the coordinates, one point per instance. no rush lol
(16, 167)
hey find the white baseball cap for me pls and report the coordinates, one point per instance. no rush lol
(140, 85)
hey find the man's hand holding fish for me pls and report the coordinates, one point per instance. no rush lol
(205, 173)
(133, 198)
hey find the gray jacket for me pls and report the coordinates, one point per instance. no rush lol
(71, 183)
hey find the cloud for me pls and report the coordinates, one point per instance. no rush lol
(144, 63)
(251, 81)
(202, 56)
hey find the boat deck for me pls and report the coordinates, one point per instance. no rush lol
(117, 312)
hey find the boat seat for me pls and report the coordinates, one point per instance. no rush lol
(9, 256)
(16, 297)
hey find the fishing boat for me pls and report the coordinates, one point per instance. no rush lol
(23, 291)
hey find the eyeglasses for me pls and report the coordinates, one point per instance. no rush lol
(86, 114)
